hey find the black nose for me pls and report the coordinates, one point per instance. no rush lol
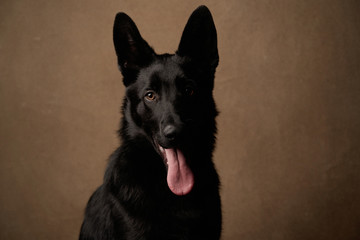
(170, 132)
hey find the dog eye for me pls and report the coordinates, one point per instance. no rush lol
(150, 96)
(189, 91)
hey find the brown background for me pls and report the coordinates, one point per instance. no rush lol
(288, 88)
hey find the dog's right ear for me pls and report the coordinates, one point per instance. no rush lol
(132, 51)
(199, 39)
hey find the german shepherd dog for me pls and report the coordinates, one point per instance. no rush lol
(161, 182)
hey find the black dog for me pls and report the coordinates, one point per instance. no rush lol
(161, 183)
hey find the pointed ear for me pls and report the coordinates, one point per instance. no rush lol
(199, 39)
(132, 50)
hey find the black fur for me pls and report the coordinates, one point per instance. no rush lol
(168, 104)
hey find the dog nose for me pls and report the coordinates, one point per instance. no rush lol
(170, 131)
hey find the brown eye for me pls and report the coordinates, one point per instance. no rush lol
(189, 91)
(150, 96)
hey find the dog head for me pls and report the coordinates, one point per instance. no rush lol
(169, 96)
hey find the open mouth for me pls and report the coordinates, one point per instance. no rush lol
(162, 153)
(180, 178)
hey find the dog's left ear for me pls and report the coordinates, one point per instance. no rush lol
(132, 51)
(199, 39)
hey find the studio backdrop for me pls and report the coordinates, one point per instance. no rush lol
(287, 88)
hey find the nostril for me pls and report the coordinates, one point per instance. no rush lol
(170, 131)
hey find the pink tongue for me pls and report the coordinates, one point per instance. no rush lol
(180, 178)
